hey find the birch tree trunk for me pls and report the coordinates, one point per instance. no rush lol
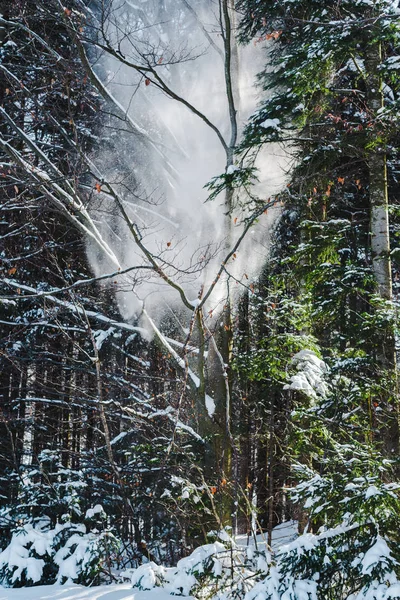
(380, 240)
(378, 187)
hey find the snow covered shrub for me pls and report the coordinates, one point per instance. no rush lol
(83, 557)
(210, 570)
(189, 574)
(193, 503)
(28, 557)
(355, 553)
(39, 554)
(48, 488)
(350, 549)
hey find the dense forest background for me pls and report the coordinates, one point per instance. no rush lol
(199, 281)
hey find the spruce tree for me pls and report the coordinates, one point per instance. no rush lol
(333, 102)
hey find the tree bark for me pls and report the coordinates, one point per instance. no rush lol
(378, 186)
(380, 240)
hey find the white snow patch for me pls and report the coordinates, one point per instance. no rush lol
(79, 592)
(100, 336)
(372, 491)
(281, 534)
(96, 510)
(378, 553)
(210, 405)
(270, 123)
(118, 437)
(310, 378)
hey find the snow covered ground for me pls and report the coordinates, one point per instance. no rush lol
(282, 534)
(78, 592)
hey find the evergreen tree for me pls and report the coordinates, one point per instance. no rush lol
(332, 101)
(321, 107)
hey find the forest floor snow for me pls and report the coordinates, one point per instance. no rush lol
(282, 534)
(79, 592)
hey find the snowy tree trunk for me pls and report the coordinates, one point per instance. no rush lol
(380, 240)
(378, 190)
(220, 356)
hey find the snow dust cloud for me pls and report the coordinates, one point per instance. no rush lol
(161, 174)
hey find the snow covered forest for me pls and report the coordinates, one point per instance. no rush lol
(199, 293)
